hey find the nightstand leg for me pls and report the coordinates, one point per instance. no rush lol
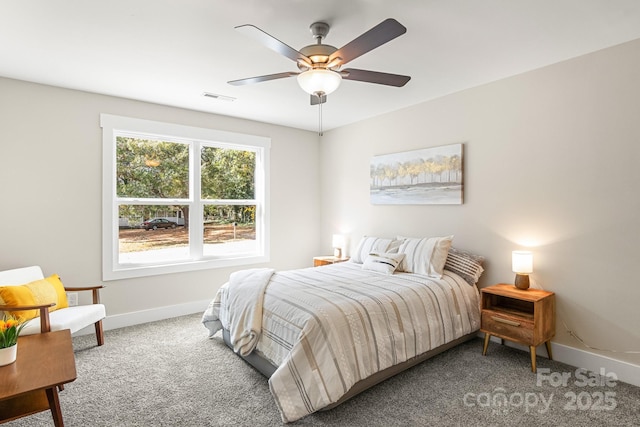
(532, 349)
(486, 343)
(548, 344)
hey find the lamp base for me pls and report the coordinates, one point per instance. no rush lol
(337, 252)
(522, 281)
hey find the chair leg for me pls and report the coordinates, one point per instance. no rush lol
(99, 332)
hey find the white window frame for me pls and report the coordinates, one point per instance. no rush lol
(114, 126)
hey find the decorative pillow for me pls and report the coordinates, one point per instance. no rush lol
(16, 296)
(54, 280)
(43, 291)
(370, 244)
(425, 256)
(465, 264)
(383, 263)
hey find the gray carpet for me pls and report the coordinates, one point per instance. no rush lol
(170, 374)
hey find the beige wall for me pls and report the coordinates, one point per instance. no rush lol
(551, 158)
(50, 192)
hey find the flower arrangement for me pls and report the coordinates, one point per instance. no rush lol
(9, 330)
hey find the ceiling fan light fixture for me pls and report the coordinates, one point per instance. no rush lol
(303, 65)
(335, 62)
(319, 81)
(319, 59)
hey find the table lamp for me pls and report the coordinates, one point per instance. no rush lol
(522, 265)
(337, 243)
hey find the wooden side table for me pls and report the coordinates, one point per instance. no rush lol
(524, 316)
(326, 260)
(30, 384)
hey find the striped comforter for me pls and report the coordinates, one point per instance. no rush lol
(327, 328)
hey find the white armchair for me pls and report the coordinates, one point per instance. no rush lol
(73, 318)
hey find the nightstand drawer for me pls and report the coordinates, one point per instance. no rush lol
(510, 327)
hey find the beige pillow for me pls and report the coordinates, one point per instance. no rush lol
(425, 255)
(465, 264)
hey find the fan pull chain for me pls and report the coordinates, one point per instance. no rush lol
(320, 119)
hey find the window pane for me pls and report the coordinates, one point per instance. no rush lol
(152, 233)
(152, 169)
(229, 229)
(227, 174)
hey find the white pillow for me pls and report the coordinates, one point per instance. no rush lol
(426, 255)
(370, 244)
(383, 263)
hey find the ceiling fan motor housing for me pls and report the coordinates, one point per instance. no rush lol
(318, 54)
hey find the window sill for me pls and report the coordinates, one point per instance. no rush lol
(128, 271)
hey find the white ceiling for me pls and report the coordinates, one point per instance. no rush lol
(172, 51)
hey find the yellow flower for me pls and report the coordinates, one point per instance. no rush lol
(9, 330)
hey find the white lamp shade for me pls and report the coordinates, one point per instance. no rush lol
(522, 262)
(319, 80)
(337, 241)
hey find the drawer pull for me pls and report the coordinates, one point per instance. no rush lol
(505, 321)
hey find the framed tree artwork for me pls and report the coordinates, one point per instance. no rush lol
(429, 176)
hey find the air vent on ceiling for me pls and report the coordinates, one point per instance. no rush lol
(218, 97)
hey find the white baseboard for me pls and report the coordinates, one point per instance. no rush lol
(145, 316)
(624, 371)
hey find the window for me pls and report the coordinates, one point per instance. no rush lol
(179, 198)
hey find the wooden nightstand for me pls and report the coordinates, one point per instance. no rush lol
(523, 316)
(326, 260)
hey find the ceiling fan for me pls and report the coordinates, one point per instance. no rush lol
(320, 64)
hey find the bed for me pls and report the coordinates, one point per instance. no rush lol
(324, 334)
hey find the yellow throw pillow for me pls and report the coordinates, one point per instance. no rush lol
(61, 302)
(43, 291)
(15, 296)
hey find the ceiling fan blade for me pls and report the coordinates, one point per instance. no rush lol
(315, 100)
(265, 78)
(396, 80)
(385, 31)
(273, 43)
